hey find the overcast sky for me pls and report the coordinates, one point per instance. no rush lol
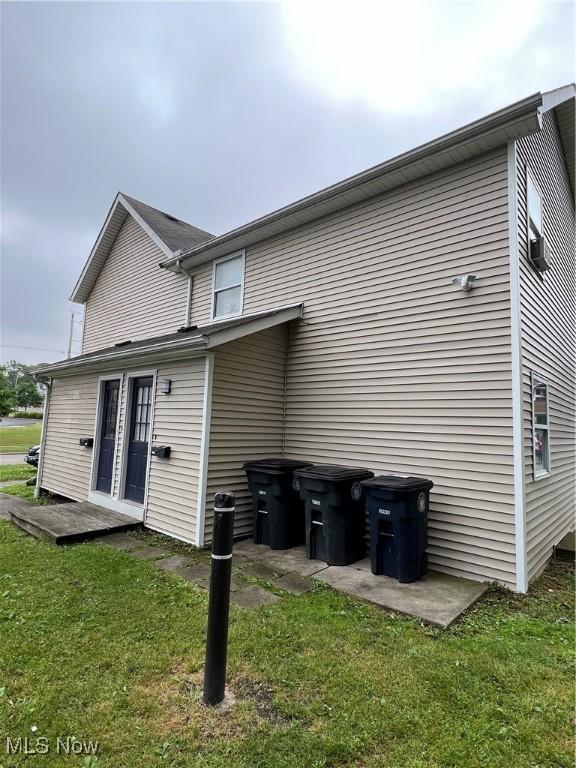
(221, 112)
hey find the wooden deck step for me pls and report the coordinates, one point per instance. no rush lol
(70, 523)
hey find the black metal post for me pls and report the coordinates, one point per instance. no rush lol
(219, 601)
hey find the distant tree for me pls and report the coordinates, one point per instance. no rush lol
(7, 400)
(16, 373)
(27, 395)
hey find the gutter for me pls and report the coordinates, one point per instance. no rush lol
(192, 346)
(513, 118)
(161, 351)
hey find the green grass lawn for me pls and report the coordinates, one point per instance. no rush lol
(102, 646)
(19, 439)
(16, 472)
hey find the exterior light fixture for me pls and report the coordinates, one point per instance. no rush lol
(165, 386)
(466, 282)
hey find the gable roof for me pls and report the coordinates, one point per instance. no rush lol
(188, 341)
(170, 234)
(513, 122)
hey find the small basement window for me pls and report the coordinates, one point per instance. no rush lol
(228, 286)
(540, 427)
(534, 209)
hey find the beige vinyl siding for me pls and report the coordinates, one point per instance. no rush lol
(173, 482)
(548, 342)
(133, 298)
(395, 369)
(66, 464)
(247, 417)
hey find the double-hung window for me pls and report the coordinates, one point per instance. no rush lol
(540, 427)
(228, 286)
(534, 209)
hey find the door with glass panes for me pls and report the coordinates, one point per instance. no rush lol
(138, 439)
(107, 443)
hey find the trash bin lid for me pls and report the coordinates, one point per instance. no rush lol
(278, 464)
(398, 483)
(334, 473)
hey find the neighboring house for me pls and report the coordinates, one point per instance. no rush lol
(332, 330)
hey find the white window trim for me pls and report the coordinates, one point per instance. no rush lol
(530, 177)
(535, 379)
(230, 256)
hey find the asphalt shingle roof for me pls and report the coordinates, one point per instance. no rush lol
(178, 235)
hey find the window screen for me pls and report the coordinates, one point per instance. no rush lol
(540, 426)
(228, 286)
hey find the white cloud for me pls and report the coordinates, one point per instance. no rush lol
(406, 57)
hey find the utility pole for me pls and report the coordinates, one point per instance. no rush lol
(70, 336)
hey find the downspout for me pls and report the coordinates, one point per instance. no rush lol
(188, 308)
(188, 318)
(48, 383)
(517, 394)
(285, 393)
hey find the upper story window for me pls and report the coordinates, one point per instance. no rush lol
(534, 209)
(540, 428)
(228, 286)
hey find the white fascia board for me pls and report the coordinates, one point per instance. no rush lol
(517, 394)
(283, 315)
(159, 352)
(93, 253)
(496, 129)
(150, 232)
(552, 99)
(79, 294)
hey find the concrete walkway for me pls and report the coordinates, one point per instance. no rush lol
(16, 421)
(261, 576)
(12, 458)
(437, 598)
(6, 483)
(244, 591)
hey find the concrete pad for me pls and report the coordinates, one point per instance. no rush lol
(285, 560)
(437, 598)
(122, 541)
(294, 583)
(173, 564)
(252, 597)
(258, 569)
(150, 553)
(8, 483)
(10, 504)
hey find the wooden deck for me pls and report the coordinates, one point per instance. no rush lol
(71, 522)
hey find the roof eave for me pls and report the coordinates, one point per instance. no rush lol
(101, 248)
(188, 346)
(123, 356)
(513, 122)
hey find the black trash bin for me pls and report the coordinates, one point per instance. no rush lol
(398, 511)
(278, 509)
(335, 517)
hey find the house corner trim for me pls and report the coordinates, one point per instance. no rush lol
(38, 486)
(204, 450)
(517, 395)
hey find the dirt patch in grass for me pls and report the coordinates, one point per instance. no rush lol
(262, 697)
(173, 704)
